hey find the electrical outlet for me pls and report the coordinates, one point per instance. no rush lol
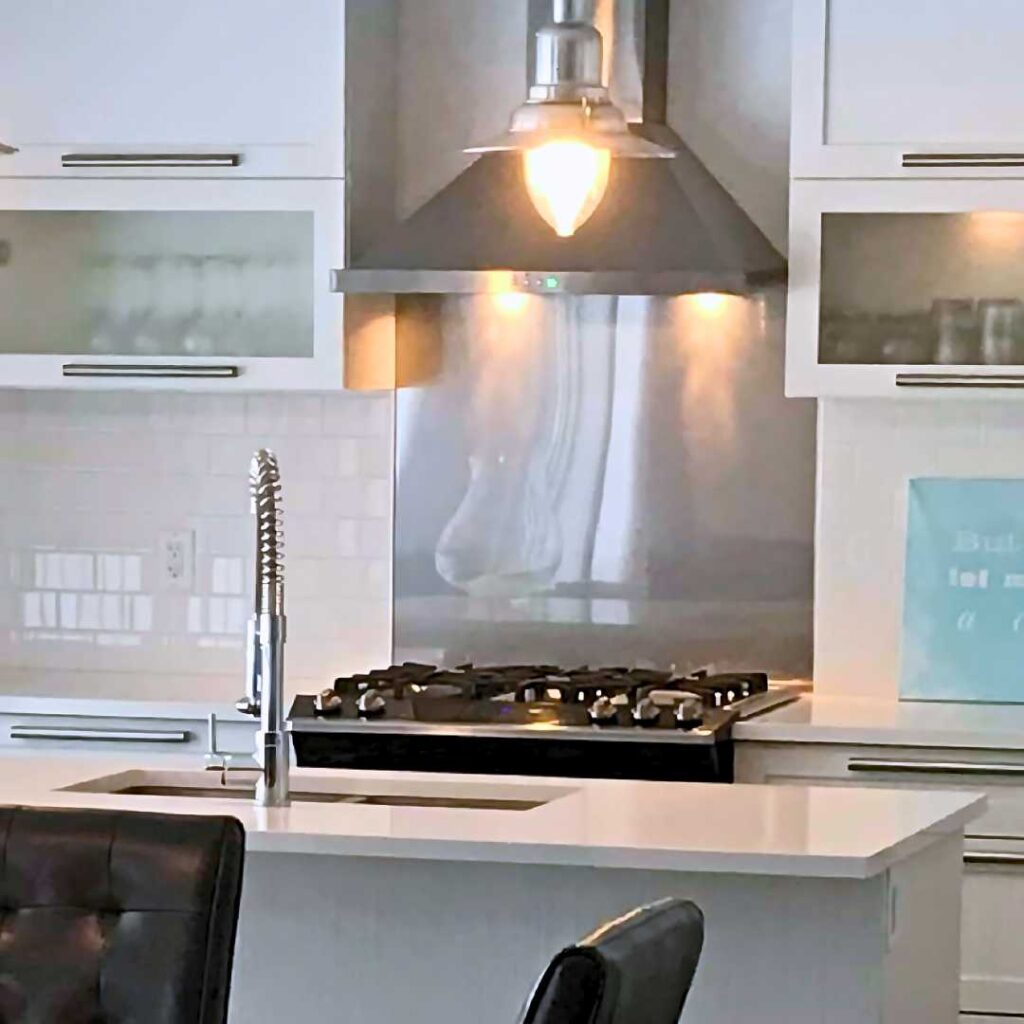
(177, 552)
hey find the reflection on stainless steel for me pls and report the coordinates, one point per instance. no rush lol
(605, 480)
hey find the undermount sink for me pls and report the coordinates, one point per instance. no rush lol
(324, 790)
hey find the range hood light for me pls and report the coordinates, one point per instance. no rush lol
(569, 129)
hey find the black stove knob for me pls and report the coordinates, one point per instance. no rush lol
(689, 713)
(327, 702)
(371, 705)
(603, 712)
(646, 713)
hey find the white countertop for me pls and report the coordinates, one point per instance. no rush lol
(815, 719)
(762, 830)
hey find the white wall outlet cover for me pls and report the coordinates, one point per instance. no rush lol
(176, 552)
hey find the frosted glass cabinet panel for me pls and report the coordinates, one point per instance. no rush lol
(903, 285)
(142, 283)
(940, 289)
(157, 283)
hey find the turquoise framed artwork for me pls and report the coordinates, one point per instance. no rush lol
(963, 613)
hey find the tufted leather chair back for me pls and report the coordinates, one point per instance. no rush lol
(637, 970)
(117, 918)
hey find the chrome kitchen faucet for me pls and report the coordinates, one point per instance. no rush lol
(267, 633)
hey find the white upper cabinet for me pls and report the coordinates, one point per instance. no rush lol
(908, 88)
(260, 82)
(906, 287)
(152, 284)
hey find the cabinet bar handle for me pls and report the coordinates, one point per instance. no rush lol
(963, 160)
(151, 159)
(869, 765)
(159, 371)
(58, 732)
(6, 150)
(959, 380)
(1010, 860)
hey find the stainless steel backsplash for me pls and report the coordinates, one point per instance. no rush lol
(602, 480)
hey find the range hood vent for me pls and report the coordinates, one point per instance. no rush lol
(665, 226)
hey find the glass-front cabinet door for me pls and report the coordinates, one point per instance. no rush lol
(170, 283)
(906, 287)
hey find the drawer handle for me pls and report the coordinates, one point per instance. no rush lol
(911, 160)
(960, 380)
(869, 765)
(1007, 860)
(151, 159)
(6, 150)
(58, 732)
(151, 370)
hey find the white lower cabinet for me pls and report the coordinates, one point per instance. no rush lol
(993, 937)
(992, 980)
(120, 735)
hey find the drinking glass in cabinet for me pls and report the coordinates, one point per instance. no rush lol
(1001, 332)
(956, 330)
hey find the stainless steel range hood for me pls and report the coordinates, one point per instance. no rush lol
(665, 226)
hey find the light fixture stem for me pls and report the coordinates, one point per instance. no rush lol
(574, 12)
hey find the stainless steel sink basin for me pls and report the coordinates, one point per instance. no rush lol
(298, 796)
(327, 788)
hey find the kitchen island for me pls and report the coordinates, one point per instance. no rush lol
(383, 898)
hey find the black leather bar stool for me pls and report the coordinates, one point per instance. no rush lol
(637, 970)
(117, 916)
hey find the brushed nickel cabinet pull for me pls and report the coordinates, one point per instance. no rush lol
(151, 159)
(954, 160)
(1006, 860)
(129, 371)
(60, 732)
(879, 765)
(960, 380)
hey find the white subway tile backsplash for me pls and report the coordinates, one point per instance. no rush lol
(94, 479)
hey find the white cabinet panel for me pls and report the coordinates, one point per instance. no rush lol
(260, 78)
(880, 80)
(174, 279)
(993, 940)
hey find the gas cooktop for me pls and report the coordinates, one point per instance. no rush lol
(531, 719)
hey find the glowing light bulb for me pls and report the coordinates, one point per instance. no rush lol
(567, 180)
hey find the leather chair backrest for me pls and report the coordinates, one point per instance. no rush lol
(636, 970)
(117, 918)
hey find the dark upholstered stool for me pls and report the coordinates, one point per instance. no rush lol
(637, 970)
(117, 918)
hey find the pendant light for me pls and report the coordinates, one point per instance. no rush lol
(569, 131)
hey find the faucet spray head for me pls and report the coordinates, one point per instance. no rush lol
(265, 494)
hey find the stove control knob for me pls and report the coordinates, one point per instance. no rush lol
(603, 712)
(327, 702)
(371, 704)
(689, 713)
(646, 713)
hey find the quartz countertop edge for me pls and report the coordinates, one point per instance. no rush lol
(873, 722)
(681, 827)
